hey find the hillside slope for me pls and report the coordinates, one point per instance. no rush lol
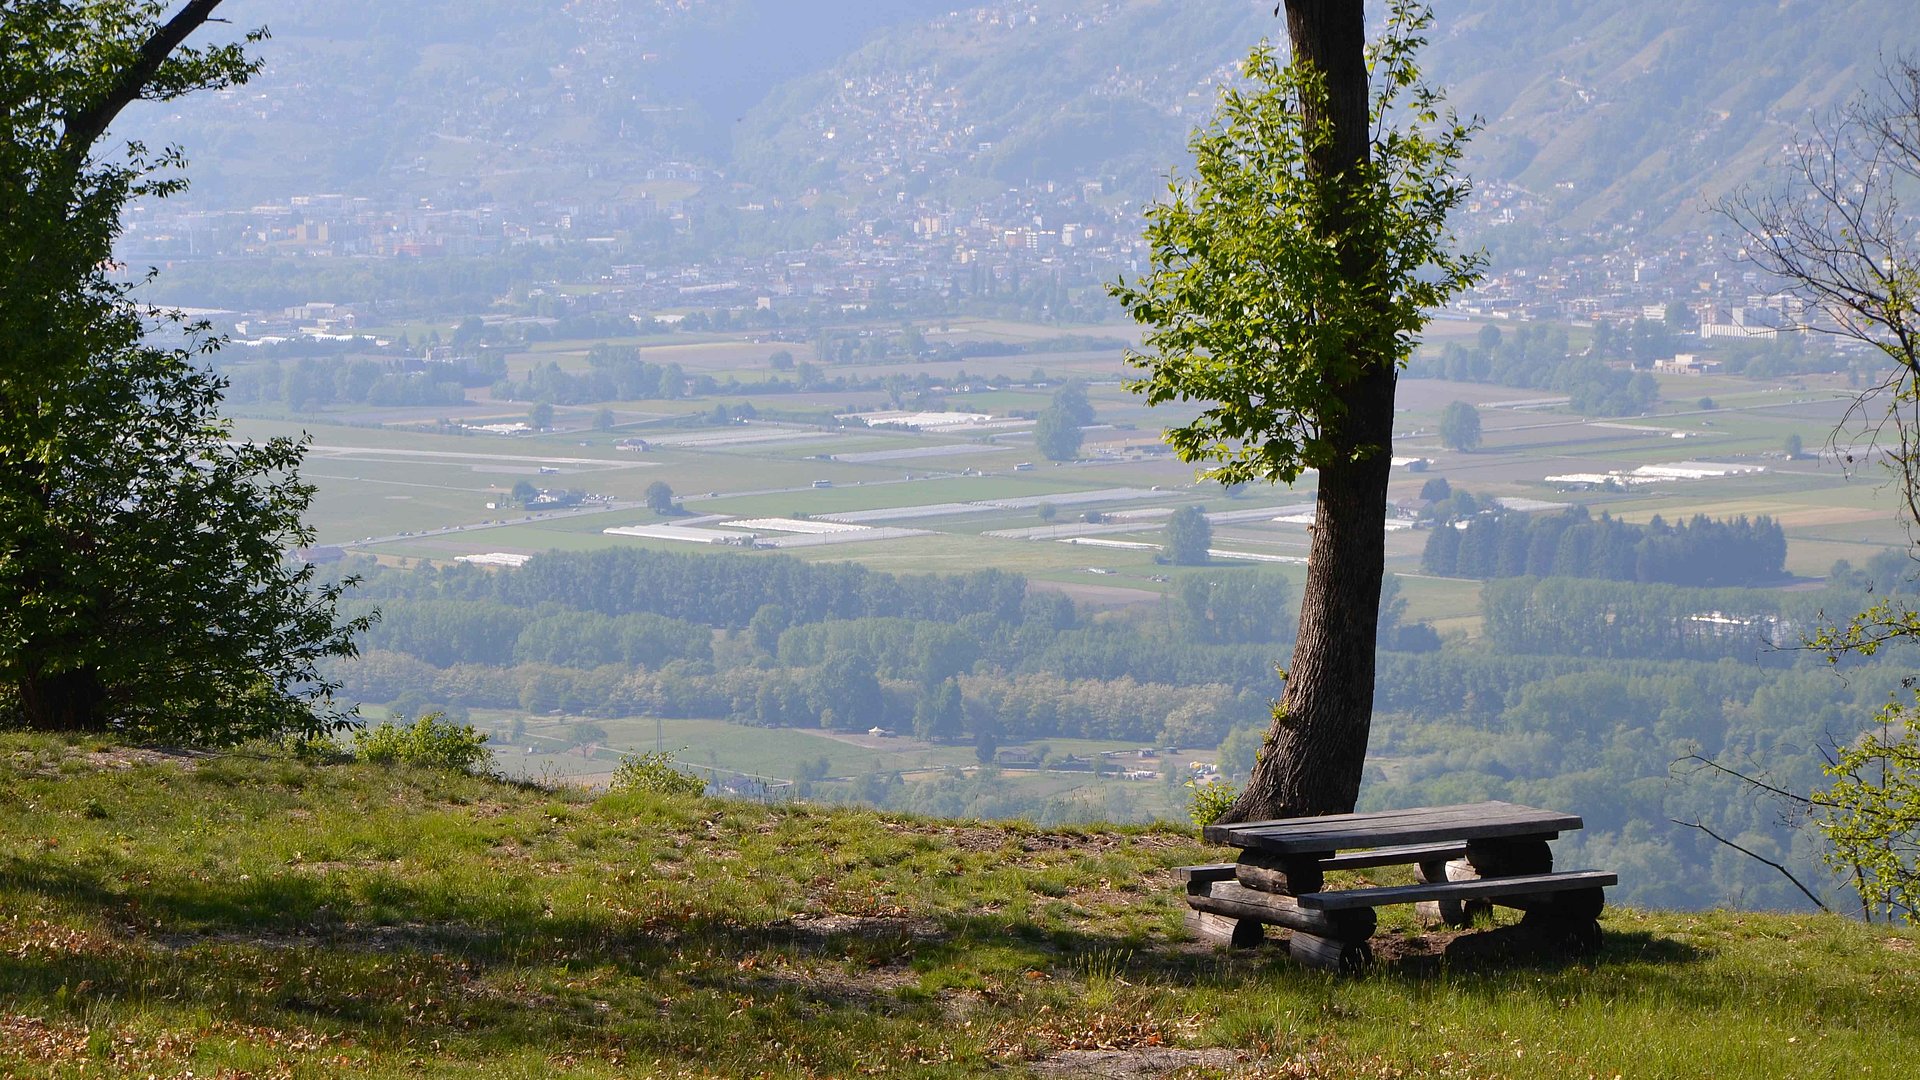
(250, 915)
(1607, 112)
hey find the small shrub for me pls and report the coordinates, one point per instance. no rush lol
(315, 749)
(431, 742)
(1206, 802)
(654, 771)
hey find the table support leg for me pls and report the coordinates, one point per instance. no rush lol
(1224, 930)
(1458, 914)
(1329, 954)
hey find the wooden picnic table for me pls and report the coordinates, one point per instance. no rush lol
(1467, 857)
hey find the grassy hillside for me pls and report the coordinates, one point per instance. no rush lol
(248, 915)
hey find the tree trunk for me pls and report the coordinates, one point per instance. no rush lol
(1312, 758)
(73, 700)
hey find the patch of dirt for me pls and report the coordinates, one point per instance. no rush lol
(1139, 1063)
(128, 757)
(871, 987)
(1391, 949)
(978, 838)
(866, 925)
(1899, 944)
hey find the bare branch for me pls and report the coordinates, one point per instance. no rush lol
(1801, 800)
(1749, 853)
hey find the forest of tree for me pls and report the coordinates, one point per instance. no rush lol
(1537, 356)
(1699, 551)
(1583, 692)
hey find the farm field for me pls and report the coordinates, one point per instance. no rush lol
(401, 491)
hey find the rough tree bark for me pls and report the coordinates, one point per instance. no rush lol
(1312, 758)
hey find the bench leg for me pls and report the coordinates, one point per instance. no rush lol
(1330, 954)
(1233, 933)
(1455, 913)
(1576, 937)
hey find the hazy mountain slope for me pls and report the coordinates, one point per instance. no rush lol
(1622, 111)
(564, 99)
(1063, 91)
(1609, 110)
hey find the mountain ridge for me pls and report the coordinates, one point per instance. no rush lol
(1608, 113)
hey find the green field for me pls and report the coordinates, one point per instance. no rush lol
(377, 483)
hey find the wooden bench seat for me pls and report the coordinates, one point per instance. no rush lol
(1352, 860)
(1500, 890)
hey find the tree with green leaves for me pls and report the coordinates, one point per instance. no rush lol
(1291, 275)
(1460, 426)
(659, 497)
(1057, 432)
(146, 583)
(1189, 535)
(938, 715)
(1842, 241)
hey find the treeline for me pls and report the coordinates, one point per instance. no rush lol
(1582, 617)
(718, 589)
(1618, 744)
(845, 693)
(1698, 552)
(1537, 356)
(774, 641)
(309, 382)
(615, 373)
(447, 632)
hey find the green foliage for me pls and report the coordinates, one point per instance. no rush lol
(1539, 356)
(938, 715)
(1189, 536)
(1207, 801)
(1057, 432)
(430, 742)
(654, 772)
(1870, 815)
(1253, 306)
(1460, 426)
(659, 497)
(145, 586)
(1702, 552)
(1226, 607)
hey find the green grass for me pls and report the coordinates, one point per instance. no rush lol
(250, 915)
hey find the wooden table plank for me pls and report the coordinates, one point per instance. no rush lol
(1343, 899)
(1325, 835)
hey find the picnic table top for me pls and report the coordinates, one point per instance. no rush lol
(1421, 824)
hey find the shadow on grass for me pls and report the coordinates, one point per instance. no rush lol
(273, 951)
